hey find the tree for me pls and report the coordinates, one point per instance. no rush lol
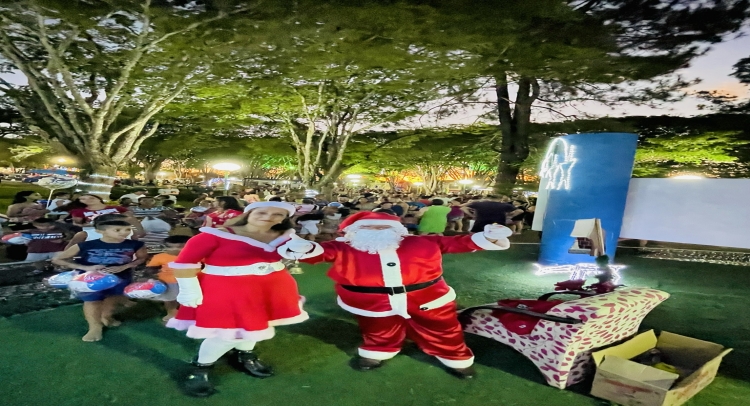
(564, 53)
(433, 155)
(98, 73)
(327, 71)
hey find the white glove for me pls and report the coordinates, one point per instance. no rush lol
(190, 294)
(300, 246)
(496, 232)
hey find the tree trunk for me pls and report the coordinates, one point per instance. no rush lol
(514, 128)
(99, 177)
(150, 169)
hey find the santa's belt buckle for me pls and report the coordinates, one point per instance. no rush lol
(396, 290)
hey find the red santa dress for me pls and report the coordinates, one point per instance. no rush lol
(426, 315)
(246, 290)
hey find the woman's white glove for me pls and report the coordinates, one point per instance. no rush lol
(496, 232)
(299, 246)
(190, 294)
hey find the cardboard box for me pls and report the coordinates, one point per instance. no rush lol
(629, 383)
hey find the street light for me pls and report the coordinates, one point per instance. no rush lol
(227, 167)
(466, 183)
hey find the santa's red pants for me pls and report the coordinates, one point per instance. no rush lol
(437, 332)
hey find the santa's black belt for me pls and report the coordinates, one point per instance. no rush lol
(395, 290)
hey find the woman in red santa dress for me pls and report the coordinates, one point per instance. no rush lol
(241, 293)
(393, 283)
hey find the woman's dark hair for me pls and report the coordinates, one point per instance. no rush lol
(119, 223)
(308, 201)
(20, 197)
(386, 211)
(92, 195)
(283, 226)
(229, 203)
(61, 193)
(437, 202)
(274, 199)
(167, 203)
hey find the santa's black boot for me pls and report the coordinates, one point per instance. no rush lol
(197, 383)
(247, 361)
(365, 364)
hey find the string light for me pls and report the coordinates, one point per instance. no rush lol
(558, 172)
(580, 271)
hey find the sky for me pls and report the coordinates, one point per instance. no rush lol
(713, 69)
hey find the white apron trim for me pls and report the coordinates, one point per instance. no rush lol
(441, 301)
(260, 268)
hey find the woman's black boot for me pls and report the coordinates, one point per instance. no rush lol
(197, 383)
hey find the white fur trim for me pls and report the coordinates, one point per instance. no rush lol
(279, 205)
(392, 278)
(457, 363)
(317, 250)
(290, 320)
(441, 301)
(378, 355)
(483, 243)
(178, 265)
(362, 312)
(247, 240)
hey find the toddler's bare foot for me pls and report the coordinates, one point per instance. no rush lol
(111, 322)
(93, 335)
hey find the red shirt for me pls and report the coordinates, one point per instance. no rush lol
(89, 215)
(218, 219)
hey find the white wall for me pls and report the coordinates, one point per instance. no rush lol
(692, 211)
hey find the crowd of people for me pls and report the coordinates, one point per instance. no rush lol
(221, 262)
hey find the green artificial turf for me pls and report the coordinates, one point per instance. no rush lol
(43, 361)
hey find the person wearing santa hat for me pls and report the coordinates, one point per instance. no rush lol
(393, 283)
(241, 293)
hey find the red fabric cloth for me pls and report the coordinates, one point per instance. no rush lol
(246, 302)
(218, 219)
(437, 332)
(418, 259)
(520, 323)
(89, 215)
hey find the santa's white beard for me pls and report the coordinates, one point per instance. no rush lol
(374, 241)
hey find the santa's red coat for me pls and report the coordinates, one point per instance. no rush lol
(418, 259)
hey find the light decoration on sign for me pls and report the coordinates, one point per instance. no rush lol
(579, 271)
(558, 164)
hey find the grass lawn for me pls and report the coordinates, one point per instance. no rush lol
(43, 361)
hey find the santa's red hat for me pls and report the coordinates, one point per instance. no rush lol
(368, 218)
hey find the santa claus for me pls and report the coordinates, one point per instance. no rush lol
(393, 283)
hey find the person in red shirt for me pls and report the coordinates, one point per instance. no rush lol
(227, 207)
(89, 207)
(93, 207)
